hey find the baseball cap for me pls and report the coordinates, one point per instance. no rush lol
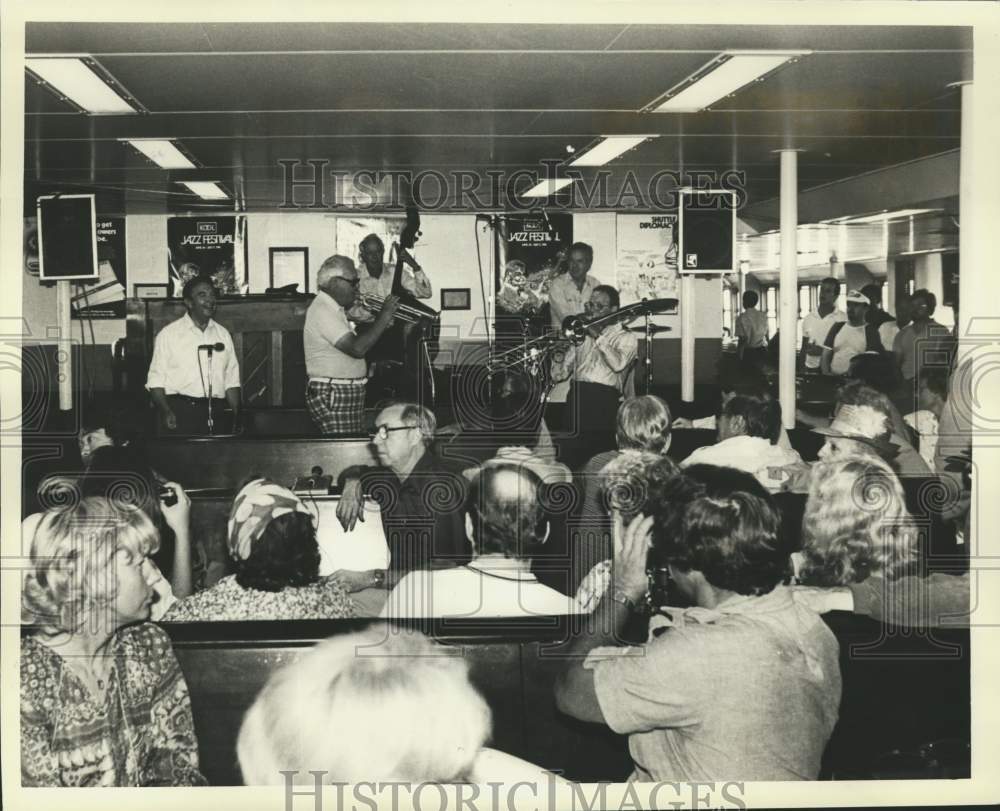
(856, 297)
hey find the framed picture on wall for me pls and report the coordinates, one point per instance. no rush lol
(149, 290)
(289, 266)
(456, 298)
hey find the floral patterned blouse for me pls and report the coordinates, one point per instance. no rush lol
(227, 600)
(140, 734)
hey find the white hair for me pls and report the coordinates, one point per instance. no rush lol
(380, 704)
(332, 266)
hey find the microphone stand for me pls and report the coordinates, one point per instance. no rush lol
(211, 424)
(649, 352)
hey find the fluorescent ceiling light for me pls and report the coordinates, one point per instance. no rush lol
(548, 187)
(608, 149)
(162, 153)
(206, 189)
(719, 78)
(886, 215)
(78, 82)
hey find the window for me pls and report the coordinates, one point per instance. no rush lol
(772, 299)
(728, 318)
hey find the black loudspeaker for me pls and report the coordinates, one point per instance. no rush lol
(67, 238)
(707, 231)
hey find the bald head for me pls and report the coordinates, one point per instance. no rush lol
(505, 511)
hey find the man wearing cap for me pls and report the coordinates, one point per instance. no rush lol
(335, 356)
(848, 339)
(886, 325)
(816, 325)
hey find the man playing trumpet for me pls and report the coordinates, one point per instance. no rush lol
(335, 356)
(597, 370)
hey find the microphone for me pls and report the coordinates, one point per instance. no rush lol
(218, 347)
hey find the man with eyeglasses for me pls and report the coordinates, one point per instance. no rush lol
(335, 356)
(422, 500)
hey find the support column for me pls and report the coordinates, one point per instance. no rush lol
(967, 202)
(687, 337)
(788, 291)
(64, 354)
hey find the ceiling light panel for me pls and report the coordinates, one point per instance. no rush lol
(163, 153)
(548, 187)
(608, 149)
(721, 77)
(79, 80)
(206, 189)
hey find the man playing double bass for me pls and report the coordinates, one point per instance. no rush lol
(395, 359)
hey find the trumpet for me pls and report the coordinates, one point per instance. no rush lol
(405, 312)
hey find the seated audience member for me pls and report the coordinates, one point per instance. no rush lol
(505, 523)
(412, 714)
(272, 542)
(748, 440)
(858, 430)
(733, 382)
(643, 424)
(624, 485)
(422, 500)
(746, 684)
(953, 452)
(936, 601)
(120, 474)
(907, 460)
(103, 700)
(932, 394)
(855, 525)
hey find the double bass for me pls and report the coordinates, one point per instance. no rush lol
(404, 355)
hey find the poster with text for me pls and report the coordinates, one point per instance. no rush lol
(207, 246)
(536, 247)
(647, 257)
(105, 298)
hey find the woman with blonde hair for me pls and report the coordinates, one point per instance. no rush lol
(103, 700)
(382, 704)
(855, 524)
(643, 424)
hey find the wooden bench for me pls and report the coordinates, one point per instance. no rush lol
(901, 690)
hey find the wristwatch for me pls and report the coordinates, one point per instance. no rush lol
(378, 578)
(620, 596)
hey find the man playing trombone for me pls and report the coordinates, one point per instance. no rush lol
(597, 368)
(335, 356)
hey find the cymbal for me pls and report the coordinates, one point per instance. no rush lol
(654, 329)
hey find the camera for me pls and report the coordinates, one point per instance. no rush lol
(167, 496)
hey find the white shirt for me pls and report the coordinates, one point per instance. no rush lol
(326, 323)
(816, 327)
(604, 360)
(926, 425)
(752, 325)
(566, 300)
(179, 367)
(486, 587)
(751, 454)
(415, 283)
(849, 342)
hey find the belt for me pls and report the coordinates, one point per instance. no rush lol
(194, 399)
(340, 381)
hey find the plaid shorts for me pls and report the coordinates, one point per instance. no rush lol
(337, 408)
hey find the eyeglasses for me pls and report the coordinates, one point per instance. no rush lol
(351, 282)
(383, 431)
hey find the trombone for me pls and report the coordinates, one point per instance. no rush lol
(573, 331)
(405, 312)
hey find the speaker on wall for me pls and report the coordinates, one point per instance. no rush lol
(67, 238)
(707, 231)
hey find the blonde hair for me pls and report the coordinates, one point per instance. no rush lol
(644, 424)
(72, 561)
(380, 704)
(625, 481)
(855, 524)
